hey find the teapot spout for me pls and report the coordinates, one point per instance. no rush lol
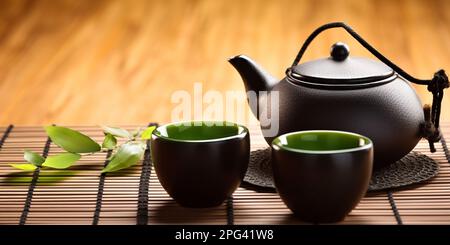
(254, 77)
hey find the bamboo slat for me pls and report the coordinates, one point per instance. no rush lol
(70, 196)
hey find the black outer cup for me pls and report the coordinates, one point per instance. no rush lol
(321, 188)
(204, 173)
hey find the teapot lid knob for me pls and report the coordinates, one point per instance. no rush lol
(340, 51)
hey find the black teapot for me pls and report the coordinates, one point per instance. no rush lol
(353, 94)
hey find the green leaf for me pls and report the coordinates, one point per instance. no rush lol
(24, 166)
(118, 132)
(33, 157)
(61, 161)
(109, 142)
(126, 156)
(71, 140)
(147, 134)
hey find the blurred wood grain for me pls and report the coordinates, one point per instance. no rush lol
(118, 62)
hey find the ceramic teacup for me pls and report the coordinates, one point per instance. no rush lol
(322, 175)
(200, 164)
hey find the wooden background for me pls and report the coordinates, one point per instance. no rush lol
(118, 62)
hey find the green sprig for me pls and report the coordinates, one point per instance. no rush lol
(77, 145)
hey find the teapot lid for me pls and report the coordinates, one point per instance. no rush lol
(341, 69)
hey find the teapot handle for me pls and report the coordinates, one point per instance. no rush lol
(436, 85)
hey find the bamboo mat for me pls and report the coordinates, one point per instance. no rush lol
(81, 195)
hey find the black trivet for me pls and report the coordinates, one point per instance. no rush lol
(411, 169)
